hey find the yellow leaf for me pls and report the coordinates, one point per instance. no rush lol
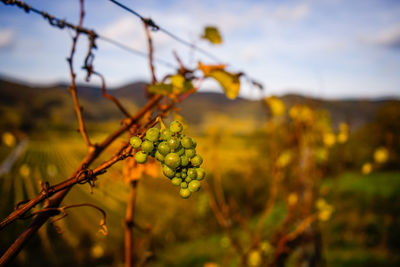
(276, 105)
(208, 68)
(180, 84)
(229, 82)
(212, 34)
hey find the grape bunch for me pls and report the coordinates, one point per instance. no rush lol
(177, 154)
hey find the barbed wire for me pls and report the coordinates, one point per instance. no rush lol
(92, 35)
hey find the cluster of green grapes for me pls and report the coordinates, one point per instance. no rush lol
(177, 154)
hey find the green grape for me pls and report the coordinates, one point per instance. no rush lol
(178, 174)
(184, 161)
(135, 141)
(170, 173)
(185, 193)
(184, 170)
(184, 185)
(194, 143)
(176, 181)
(181, 151)
(152, 134)
(147, 146)
(176, 127)
(200, 174)
(192, 173)
(159, 156)
(184, 175)
(188, 179)
(194, 186)
(190, 153)
(187, 142)
(197, 160)
(173, 143)
(164, 148)
(172, 160)
(141, 157)
(165, 134)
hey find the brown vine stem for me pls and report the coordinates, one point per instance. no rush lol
(129, 224)
(151, 50)
(110, 97)
(72, 88)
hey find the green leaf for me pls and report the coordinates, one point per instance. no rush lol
(229, 81)
(212, 34)
(160, 88)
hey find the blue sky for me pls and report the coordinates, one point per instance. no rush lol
(325, 48)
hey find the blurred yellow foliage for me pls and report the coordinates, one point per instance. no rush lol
(276, 105)
(284, 159)
(342, 138)
(133, 171)
(321, 154)
(366, 168)
(51, 170)
(9, 139)
(25, 170)
(301, 113)
(329, 139)
(211, 264)
(292, 199)
(381, 155)
(254, 258)
(225, 242)
(343, 127)
(324, 210)
(266, 247)
(97, 251)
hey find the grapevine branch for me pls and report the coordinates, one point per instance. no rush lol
(72, 88)
(151, 50)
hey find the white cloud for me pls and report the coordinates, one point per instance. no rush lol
(389, 38)
(7, 37)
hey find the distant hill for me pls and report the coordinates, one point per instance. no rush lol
(53, 103)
